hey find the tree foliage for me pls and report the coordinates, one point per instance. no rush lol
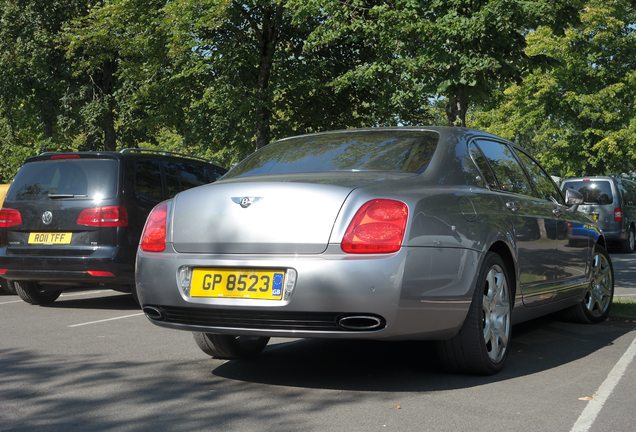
(579, 116)
(221, 78)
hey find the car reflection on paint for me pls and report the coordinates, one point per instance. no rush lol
(427, 233)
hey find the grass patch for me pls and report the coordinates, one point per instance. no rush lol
(623, 308)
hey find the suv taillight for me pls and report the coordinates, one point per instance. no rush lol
(109, 216)
(10, 217)
(153, 237)
(377, 227)
(618, 215)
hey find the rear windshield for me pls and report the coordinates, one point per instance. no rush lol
(65, 179)
(593, 191)
(401, 151)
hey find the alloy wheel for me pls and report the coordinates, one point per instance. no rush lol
(599, 295)
(496, 314)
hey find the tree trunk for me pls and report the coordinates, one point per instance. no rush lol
(268, 39)
(456, 107)
(108, 119)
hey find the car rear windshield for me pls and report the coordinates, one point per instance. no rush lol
(401, 151)
(65, 179)
(593, 191)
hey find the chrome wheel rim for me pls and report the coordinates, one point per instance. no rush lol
(599, 295)
(496, 314)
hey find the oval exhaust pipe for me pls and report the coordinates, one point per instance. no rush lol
(360, 322)
(153, 313)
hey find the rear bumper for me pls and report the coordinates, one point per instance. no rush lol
(69, 270)
(615, 235)
(417, 293)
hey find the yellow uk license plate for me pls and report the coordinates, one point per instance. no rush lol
(237, 283)
(50, 238)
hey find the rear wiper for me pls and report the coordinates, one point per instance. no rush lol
(62, 196)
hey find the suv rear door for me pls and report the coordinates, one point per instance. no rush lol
(600, 199)
(61, 201)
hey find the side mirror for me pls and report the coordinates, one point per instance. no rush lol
(573, 198)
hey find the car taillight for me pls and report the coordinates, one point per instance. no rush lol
(109, 216)
(377, 227)
(10, 217)
(153, 238)
(100, 273)
(66, 156)
(618, 215)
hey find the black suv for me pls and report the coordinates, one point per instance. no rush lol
(74, 219)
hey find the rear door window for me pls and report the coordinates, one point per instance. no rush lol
(183, 175)
(509, 173)
(543, 184)
(148, 180)
(65, 179)
(594, 191)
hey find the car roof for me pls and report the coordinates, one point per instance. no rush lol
(443, 131)
(122, 154)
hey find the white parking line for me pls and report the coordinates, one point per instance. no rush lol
(107, 319)
(593, 407)
(13, 301)
(83, 293)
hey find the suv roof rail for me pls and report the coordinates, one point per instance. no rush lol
(161, 152)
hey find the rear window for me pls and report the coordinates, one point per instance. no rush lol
(593, 191)
(401, 151)
(68, 178)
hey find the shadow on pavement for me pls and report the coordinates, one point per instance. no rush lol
(412, 366)
(108, 301)
(91, 392)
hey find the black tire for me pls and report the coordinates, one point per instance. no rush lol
(481, 346)
(135, 296)
(7, 287)
(229, 346)
(597, 300)
(629, 244)
(36, 294)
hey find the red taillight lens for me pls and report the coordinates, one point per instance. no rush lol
(109, 216)
(66, 156)
(618, 215)
(4, 271)
(153, 238)
(100, 273)
(378, 227)
(10, 217)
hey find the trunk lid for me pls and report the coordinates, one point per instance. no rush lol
(261, 217)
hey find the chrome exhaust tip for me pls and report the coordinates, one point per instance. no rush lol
(153, 313)
(360, 322)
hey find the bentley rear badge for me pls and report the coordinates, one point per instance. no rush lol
(245, 202)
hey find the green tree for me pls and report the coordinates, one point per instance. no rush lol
(34, 76)
(578, 116)
(248, 78)
(460, 50)
(118, 57)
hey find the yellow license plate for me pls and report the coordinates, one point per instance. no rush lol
(49, 238)
(237, 283)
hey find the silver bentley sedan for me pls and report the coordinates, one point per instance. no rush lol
(422, 233)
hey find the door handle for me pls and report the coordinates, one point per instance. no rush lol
(513, 206)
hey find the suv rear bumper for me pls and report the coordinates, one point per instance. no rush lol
(69, 270)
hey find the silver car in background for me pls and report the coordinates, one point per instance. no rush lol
(424, 233)
(610, 202)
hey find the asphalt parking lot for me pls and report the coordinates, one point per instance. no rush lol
(92, 361)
